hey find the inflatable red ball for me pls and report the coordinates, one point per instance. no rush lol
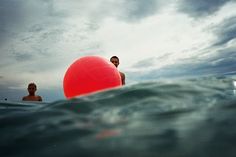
(90, 74)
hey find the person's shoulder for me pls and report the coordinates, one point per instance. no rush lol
(122, 74)
(39, 98)
(24, 97)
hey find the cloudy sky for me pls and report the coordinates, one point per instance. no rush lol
(154, 39)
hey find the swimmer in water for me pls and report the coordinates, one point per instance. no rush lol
(116, 62)
(32, 97)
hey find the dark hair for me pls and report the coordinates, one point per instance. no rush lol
(32, 84)
(114, 57)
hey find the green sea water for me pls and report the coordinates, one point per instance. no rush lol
(174, 118)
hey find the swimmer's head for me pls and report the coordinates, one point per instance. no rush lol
(32, 88)
(115, 60)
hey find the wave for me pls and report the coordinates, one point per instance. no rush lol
(191, 117)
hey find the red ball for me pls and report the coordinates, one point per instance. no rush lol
(90, 74)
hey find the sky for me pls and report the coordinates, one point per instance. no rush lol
(154, 39)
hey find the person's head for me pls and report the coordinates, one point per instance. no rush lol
(115, 60)
(32, 88)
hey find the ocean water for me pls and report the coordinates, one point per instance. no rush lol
(172, 118)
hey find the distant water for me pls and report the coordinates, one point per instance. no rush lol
(178, 118)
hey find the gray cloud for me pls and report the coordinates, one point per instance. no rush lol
(224, 63)
(21, 12)
(225, 31)
(24, 16)
(200, 8)
(145, 63)
(21, 57)
(18, 15)
(150, 62)
(8, 16)
(126, 10)
(136, 10)
(29, 54)
(221, 63)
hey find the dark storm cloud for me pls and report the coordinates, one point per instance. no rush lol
(200, 8)
(225, 31)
